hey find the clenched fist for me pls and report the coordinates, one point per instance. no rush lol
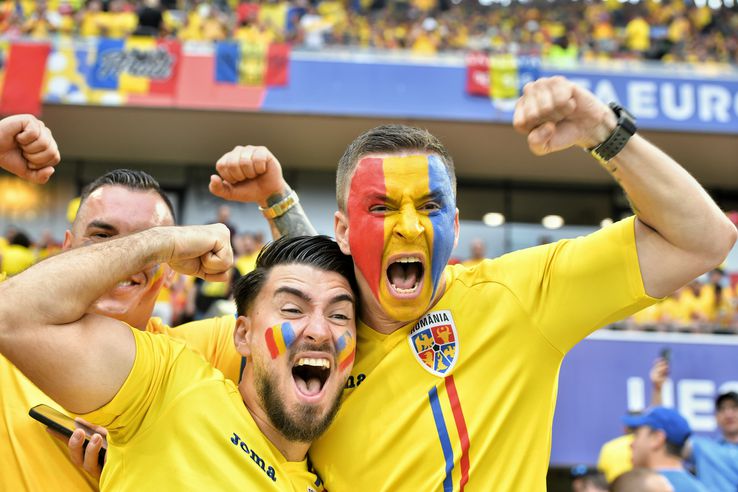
(27, 148)
(203, 251)
(555, 113)
(248, 174)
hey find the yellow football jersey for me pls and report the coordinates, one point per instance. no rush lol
(178, 424)
(463, 399)
(30, 459)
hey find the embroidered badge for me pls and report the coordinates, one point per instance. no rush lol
(434, 342)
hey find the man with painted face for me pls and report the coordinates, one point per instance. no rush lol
(454, 385)
(163, 401)
(118, 203)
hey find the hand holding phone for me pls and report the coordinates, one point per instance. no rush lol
(65, 425)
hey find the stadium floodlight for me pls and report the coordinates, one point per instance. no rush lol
(552, 222)
(493, 219)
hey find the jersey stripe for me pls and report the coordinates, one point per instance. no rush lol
(453, 397)
(448, 453)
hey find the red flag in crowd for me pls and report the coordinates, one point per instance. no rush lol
(24, 70)
(278, 64)
(477, 74)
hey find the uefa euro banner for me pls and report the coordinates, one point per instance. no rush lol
(22, 68)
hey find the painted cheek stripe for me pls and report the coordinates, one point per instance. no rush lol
(346, 350)
(278, 338)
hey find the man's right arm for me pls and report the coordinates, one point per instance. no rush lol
(81, 360)
(253, 175)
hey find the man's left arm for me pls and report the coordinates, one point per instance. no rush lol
(680, 232)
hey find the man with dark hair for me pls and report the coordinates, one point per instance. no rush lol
(158, 398)
(455, 383)
(120, 202)
(716, 460)
(658, 441)
(641, 480)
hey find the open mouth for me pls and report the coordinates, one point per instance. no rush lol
(310, 375)
(405, 275)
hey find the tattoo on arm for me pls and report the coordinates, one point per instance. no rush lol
(293, 222)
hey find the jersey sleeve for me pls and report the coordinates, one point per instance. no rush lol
(572, 287)
(213, 339)
(162, 369)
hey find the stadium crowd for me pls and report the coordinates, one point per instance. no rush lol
(560, 31)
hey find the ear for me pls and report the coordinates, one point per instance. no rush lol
(67, 244)
(341, 227)
(456, 228)
(242, 336)
(658, 438)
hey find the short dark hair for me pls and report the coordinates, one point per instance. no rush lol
(388, 139)
(131, 179)
(317, 251)
(727, 396)
(674, 449)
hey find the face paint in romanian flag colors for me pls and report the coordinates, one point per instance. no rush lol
(278, 338)
(346, 350)
(401, 207)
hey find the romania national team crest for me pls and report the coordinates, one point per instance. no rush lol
(434, 342)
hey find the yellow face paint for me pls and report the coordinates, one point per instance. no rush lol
(402, 214)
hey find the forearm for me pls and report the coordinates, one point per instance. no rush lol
(294, 222)
(656, 396)
(60, 289)
(666, 198)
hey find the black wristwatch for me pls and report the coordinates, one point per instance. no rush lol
(614, 143)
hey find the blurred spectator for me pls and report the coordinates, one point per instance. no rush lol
(716, 460)
(616, 456)
(477, 253)
(717, 303)
(658, 442)
(150, 19)
(641, 480)
(247, 248)
(224, 217)
(585, 479)
(17, 256)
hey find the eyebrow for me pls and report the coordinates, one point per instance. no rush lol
(342, 298)
(307, 298)
(99, 224)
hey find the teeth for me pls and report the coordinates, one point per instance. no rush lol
(305, 361)
(125, 283)
(405, 291)
(408, 259)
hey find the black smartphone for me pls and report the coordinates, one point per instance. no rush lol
(666, 354)
(64, 425)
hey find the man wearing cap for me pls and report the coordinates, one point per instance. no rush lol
(658, 443)
(716, 460)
